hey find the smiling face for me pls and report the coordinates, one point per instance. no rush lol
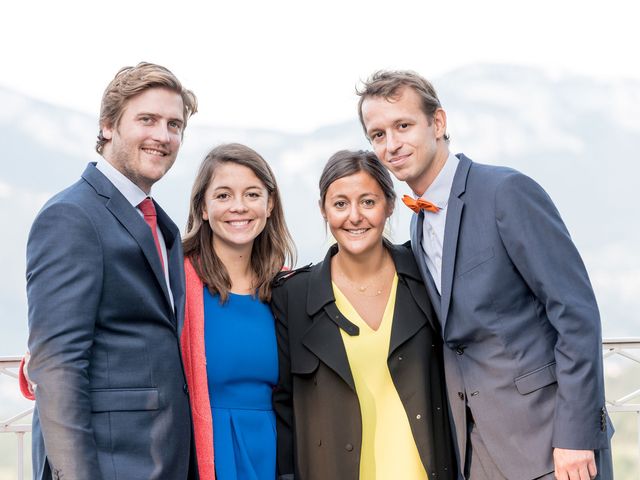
(356, 211)
(406, 141)
(237, 205)
(145, 143)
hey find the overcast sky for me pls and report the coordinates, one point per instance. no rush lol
(292, 65)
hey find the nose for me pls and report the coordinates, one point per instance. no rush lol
(238, 205)
(354, 214)
(161, 133)
(393, 142)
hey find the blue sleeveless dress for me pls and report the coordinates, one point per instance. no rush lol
(242, 369)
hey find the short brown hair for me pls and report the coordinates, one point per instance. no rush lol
(272, 248)
(131, 81)
(387, 83)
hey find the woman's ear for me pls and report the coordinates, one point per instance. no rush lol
(269, 206)
(322, 212)
(390, 209)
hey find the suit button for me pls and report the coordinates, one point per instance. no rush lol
(185, 389)
(460, 349)
(461, 395)
(348, 447)
(400, 358)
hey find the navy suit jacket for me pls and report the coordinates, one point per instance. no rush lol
(520, 321)
(111, 397)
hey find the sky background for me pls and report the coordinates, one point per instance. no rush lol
(293, 65)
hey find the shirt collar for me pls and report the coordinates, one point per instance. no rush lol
(126, 187)
(439, 191)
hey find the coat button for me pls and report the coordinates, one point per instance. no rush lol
(185, 389)
(320, 442)
(461, 395)
(475, 394)
(460, 349)
(418, 416)
(348, 447)
(400, 358)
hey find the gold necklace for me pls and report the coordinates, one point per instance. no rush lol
(362, 289)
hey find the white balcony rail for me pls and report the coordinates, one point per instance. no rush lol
(613, 348)
(9, 367)
(627, 350)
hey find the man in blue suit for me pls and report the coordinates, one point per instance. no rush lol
(517, 312)
(105, 289)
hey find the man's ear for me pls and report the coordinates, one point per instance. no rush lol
(107, 132)
(440, 121)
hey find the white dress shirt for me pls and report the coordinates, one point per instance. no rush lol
(134, 196)
(433, 224)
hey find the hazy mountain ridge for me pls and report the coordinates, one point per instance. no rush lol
(576, 136)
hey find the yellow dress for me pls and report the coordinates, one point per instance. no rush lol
(389, 451)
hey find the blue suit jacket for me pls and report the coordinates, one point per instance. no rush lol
(111, 396)
(520, 321)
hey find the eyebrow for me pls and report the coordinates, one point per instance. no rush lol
(226, 187)
(156, 115)
(367, 194)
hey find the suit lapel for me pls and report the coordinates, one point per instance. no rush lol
(451, 231)
(131, 220)
(418, 253)
(175, 259)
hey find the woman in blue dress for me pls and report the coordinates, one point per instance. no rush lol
(236, 242)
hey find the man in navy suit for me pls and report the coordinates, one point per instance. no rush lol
(105, 289)
(517, 312)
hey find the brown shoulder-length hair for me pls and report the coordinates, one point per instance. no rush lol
(272, 249)
(132, 81)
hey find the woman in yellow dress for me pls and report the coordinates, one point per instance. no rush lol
(361, 393)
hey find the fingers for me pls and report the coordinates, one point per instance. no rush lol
(574, 464)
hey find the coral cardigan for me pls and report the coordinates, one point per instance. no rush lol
(195, 367)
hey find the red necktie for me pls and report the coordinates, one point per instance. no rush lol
(420, 204)
(148, 209)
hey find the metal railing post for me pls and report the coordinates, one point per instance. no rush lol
(20, 436)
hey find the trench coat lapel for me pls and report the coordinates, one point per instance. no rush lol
(407, 319)
(323, 337)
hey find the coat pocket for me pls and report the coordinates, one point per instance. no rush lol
(536, 379)
(304, 364)
(124, 399)
(479, 258)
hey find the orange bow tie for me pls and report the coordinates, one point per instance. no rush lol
(420, 204)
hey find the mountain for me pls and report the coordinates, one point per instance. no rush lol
(575, 135)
